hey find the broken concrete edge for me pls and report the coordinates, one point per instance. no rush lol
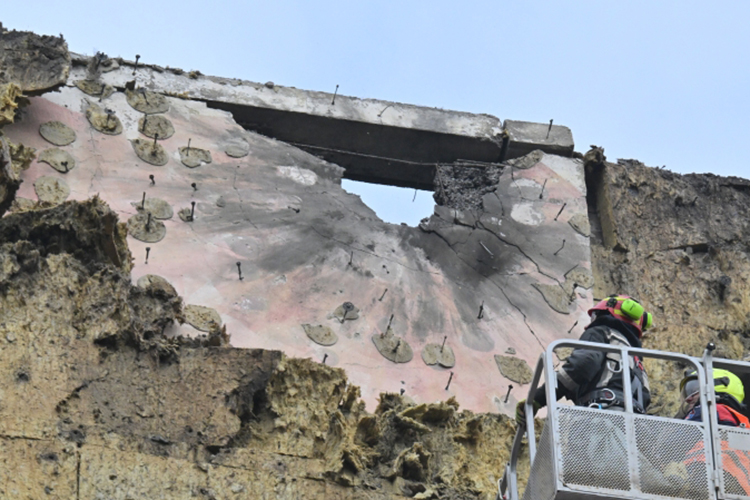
(381, 132)
(36, 63)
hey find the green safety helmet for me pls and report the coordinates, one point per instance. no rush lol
(625, 309)
(726, 383)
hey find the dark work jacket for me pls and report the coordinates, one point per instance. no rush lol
(581, 372)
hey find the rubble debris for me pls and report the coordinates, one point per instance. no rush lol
(157, 207)
(193, 157)
(156, 125)
(37, 64)
(10, 100)
(60, 160)
(157, 283)
(320, 334)
(150, 152)
(103, 120)
(146, 101)
(144, 227)
(14, 158)
(461, 186)
(57, 133)
(51, 190)
(205, 319)
(514, 369)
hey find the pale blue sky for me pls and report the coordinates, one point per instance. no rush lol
(664, 82)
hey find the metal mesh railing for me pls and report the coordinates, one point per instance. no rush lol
(541, 485)
(735, 461)
(663, 447)
(594, 449)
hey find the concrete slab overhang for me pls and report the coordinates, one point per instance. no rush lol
(375, 141)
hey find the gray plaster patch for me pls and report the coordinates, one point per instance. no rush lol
(60, 160)
(94, 88)
(320, 334)
(527, 213)
(393, 347)
(514, 369)
(159, 208)
(150, 152)
(555, 297)
(438, 354)
(103, 120)
(346, 311)
(186, 214)
(151, 125)
(578, 276)
(528, 161)
(237, 148)
(57, 133)
(580, 223)
(154, 282)
(51, 190)
(141, 229)
(299, 175)
(194, 157)
(146, 101)
(202, 318)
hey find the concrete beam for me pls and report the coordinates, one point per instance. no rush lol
(375, 141)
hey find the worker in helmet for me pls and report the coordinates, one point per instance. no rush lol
(594, 378)
(730, 397)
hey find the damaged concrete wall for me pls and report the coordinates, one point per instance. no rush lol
(119, 390)
(496, 278)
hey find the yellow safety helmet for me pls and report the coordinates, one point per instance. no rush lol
(725, 383)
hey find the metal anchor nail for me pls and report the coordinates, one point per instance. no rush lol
(402, 391)
(443, 346)
(153, 180)
(145, 118)
(507, 395)
(449, 381)
(192, 210)
(398, 344)
(481, 311)
(194, 186)
(333, 101)
(383, 111)
(143, 201)
(137, 56)
(148, 249)
(148, 223)
(381, 297)
(558, 250)
(187, 151)
(574, 325)
(548, 130)
(543, 185)
(487, 249)
(561, 210)
(239, 270)
(325, 356)
(389, 323)
(350, 258)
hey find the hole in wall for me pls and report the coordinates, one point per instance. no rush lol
(395, 205)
